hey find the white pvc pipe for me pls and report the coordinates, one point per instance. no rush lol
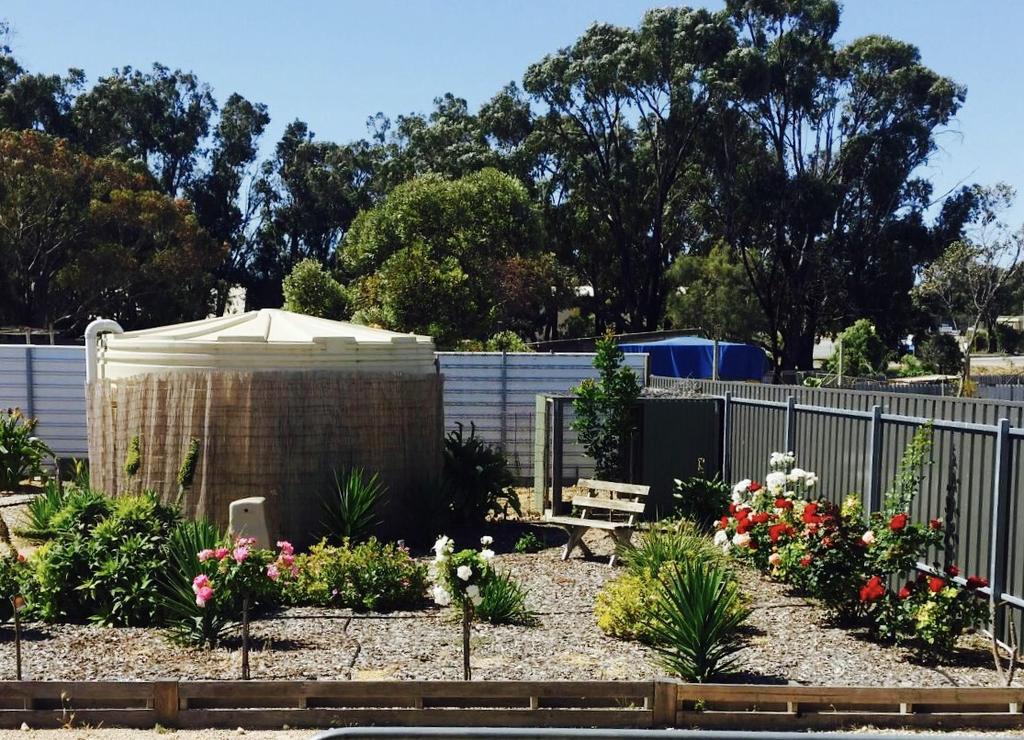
(92, 332)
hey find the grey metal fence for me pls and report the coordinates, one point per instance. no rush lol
(855, 440)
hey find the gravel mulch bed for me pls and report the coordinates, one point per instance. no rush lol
(788, 640)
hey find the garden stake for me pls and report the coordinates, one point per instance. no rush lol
(15, 605)
(245, 638)
(467, 615)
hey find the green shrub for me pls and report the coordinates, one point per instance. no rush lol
(476, 478)
(701, 501)
(863, 351)
(624, 606)
(1009, 339)
(187, 471)
(942, 352)
(13, 573)
(351, 509)
(663, 545)
(370, 576)
(604, 408)
(695, 621)
(504, 602)
(506, 341)
(104, 560)
(185, 621)
(133, 457)
(310, 289)
(21, 452)
(528, 542)
(911, 366)
(42, 509)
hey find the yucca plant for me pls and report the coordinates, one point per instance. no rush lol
(661, 545)
(504, 601)
(185, 622)
(350, 511)
(696, 618)
(41, 511)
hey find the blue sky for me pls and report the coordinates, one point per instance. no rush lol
(333, 64)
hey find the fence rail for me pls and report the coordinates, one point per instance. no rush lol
(854, 441)
(658, 703)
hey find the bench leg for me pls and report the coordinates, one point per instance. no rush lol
(575, 541)
(623, 539)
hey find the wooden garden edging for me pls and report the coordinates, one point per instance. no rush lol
(602, 704)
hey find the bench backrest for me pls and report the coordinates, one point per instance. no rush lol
(623, 500)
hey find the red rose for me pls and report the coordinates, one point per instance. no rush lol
(778, 530)
(744, 526)
(783, 503)
(810, 513)
(873, 590)
(760, 518)
(806, 560)
(754, 487)
(953, 571)
(904, 593)
(724, 521)
(742, 513)
(935, 524)
(732, 509)
(974, 582)
(898, 522)
(936, 584)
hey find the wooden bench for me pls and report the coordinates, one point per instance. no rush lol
(614, 513)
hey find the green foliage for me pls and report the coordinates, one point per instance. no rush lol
(1009, 339)
(13, 573)
(700, 500)
(942, 352)
(506, 341)
(42, 509)
(441, 257)
(605, 414)
(187, 470)
(103, 563)
(476, 478)
(911, 366)
(696, 619)
(863, 351)
(707, 297)
(663, 545)
(371, 576)
(185, 622)
(310, 289)
(350, 513)
(624, 606)
(133, 457)
(907, 483)
(528, 542)
(21, 453)
(504, 601)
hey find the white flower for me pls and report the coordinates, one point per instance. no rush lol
(486, 540)
(775, 481)
(440, 596)
(721, 537)
(797, 474)
(472, 590)
(433, 572)
(810, 480)
(476, 600)
(464, 572)
(443, 545)
(868, 537)
(487, 554)
(741, 539)
(742, 487)
(737, 497)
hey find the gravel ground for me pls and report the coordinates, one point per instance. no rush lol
(788, 640)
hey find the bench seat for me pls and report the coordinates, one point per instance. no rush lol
(615, 514)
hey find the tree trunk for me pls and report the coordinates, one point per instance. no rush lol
(245, 638)
(467, 617)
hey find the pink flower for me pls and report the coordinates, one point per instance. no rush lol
(203, 595)
(295, 571)
(240, 554)
(272, 572)
(245, 542)
(220, 553)
(285, 547)
(205, 555)
(775, 559)
(200, 581)
(287, 560)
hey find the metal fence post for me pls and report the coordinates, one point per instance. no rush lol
(875, 461)
(726, 437)
(790, 439)
(998, 557)
(503, 411)
(30, 390)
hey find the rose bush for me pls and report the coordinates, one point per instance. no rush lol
(830, 553)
